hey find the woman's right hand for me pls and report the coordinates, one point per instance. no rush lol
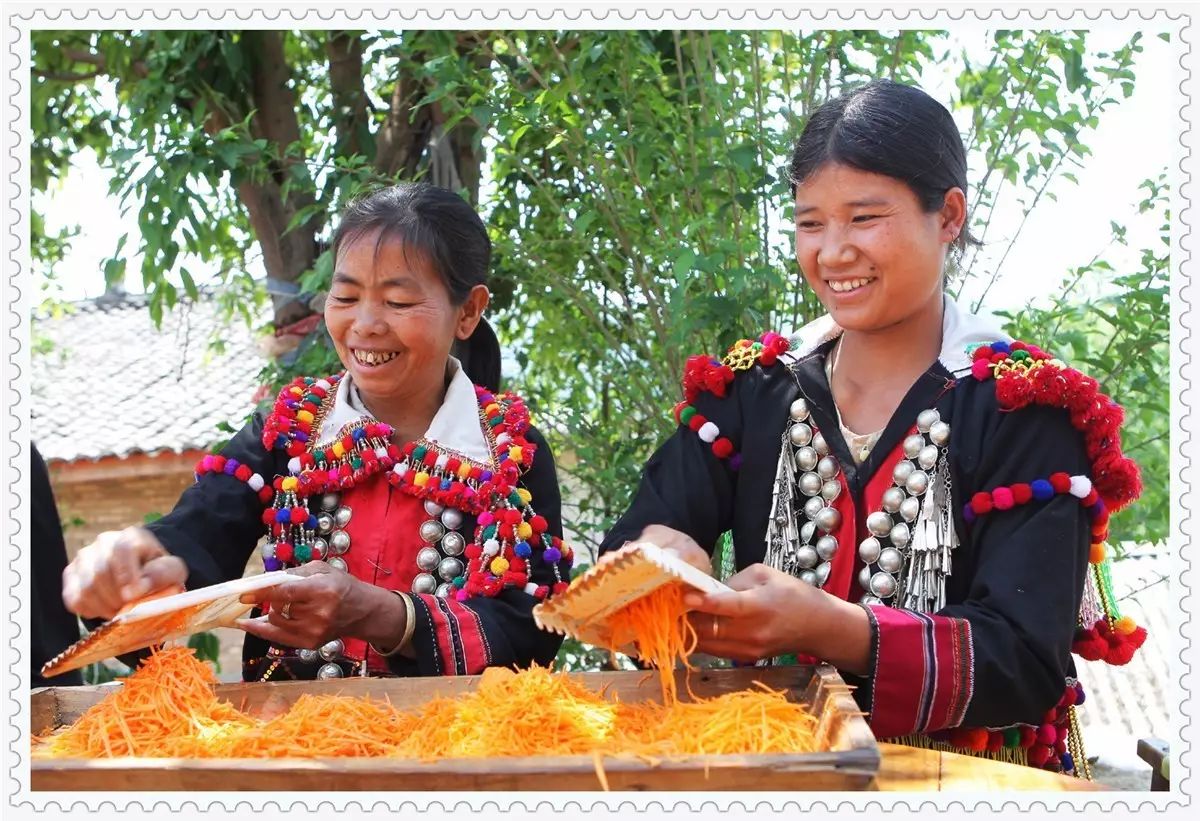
(676, 541)
(118, 568)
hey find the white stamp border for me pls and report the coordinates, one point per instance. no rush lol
(21, 18)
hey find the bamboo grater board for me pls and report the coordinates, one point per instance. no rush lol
(636, 570)
(164, 619)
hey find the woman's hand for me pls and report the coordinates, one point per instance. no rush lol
(118, 568)
(770, 613)
(322, 604)
(683, 546)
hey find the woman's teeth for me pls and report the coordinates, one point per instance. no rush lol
(374, 357)
(843, 285)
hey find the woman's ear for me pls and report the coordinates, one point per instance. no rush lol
(953, 214)
(470, 312)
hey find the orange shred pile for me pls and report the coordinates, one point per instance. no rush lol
(657, 625)
(168, 708)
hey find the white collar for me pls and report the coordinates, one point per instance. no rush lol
(961, 332)
(455, 426)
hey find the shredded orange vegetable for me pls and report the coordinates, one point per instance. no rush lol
(657, 625)
(168, 708)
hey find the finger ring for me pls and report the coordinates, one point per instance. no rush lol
(716, 629)
(286, 612)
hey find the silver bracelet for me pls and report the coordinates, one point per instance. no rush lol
(410, 625)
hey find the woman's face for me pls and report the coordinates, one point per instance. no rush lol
(870, 252)
(391, 318)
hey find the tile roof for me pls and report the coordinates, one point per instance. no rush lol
(152, 389)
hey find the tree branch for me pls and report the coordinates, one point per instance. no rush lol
(344, 51)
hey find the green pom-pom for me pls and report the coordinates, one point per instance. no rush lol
(460, 581)
(686, 414)
(1012, 737)
(419, 453)
(303, 553)
(489, 532)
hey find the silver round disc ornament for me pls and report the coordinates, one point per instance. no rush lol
(800, 434)
(939, 434)
(807, 458)
(433, 508)
(307, 656)
(820, 445)
(808, 531)
(341, 516)
(827, 468)
(432, 531)
(428, 558)
(913, 445)
(810, 484)
(868, 549)
(321, 546)
(902, 471)
(449, 569)
(867, 598)
(892, 498)
(864, 578)
(823, 573)
(453, 543)
(826, 547)
(424, 583)
(452, 519)
(329, 501)
(337, 563)
(809, 577)
(927, 458)
(798, 411)
(443, 590)
(806, 557)
(917, 482)
(927, 418)
(883, 585)
(899, 535)
(890, 560)
(910, 508)
(831, 490)
(329, 671)
(324, 523)
(339, 542)
(828, 518)
(879, 523)
(813, 506)
(331, 650)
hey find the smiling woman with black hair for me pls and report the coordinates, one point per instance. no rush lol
(913, 496)
(417, 507)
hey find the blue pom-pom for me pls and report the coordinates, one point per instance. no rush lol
(485, 476)
(1042, 489)
(1000, 347)
(445, 484)
(283, 516)
(1068, 763)
(311, 524)
(523, 549)
(359, 434)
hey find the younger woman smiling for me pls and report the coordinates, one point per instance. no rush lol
(418, 508)
(913, 496)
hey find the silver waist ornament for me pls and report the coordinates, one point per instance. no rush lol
(907, 555)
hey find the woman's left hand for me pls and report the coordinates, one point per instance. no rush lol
(323, 604)
(769, 613)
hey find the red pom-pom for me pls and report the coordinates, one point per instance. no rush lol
(298, 515)
(983, 352)
(1002, 498)
(1061, 482)
(980, 369)
(995, 742)
(977, 739)
(1038, 754)
(960, 737)
(1060, 747)
(284, 552)
(1022, 493)
(1061, 734)
(1028, 736)
(266, 495)
(295, 448)
(1069, 697)
(981, 503)
(696, 422)
(559, 587)
(1050, 717)
(539, 524)
(268, 516)
(722, 448)
(1120, 653)
(1089, 644)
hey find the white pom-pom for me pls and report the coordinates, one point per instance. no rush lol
(381, 452)
(1081, 486)
(399, 468)
(503, 439)
(322, 384)
(441, 461)
(255, 482)
(531, 589)
(294, 465)
(709, 432)
(491, 547)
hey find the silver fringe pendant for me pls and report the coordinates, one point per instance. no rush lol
(923, 586)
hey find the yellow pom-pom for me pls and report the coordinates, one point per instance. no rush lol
(1125, 625)
(464, 470)
(421, 479)
(525, 495)
(1096, 553)
(515, 453)
(290, 483)
(491, 409)
(499, 565)
(524, 530)
(304, 416)
(338, 450)
(296, 391)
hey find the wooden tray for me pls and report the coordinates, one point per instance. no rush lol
(850, 759)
